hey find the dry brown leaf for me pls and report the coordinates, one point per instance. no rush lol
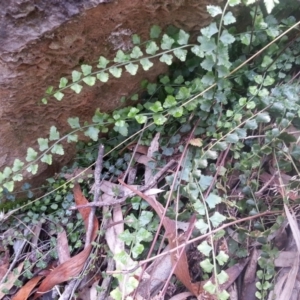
(181, 296)
(4, 262)
(74, 265)
(285, 259)
(11, 278)
(115, 244)
(79, 173)
(159, 272)
(278, 287)
(26, 289)
(248, 286)
(233, 273)
(139, 148)
(154, 146)
(287, 290)
(143, 159)
(85, 212)
(64, 272)
(63, 250)
(181, 271)
(113, 189)
(233, 292)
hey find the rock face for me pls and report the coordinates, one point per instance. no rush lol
(41, 41)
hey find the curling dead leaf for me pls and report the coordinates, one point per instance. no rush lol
(154, 146)
(285, 259)
(159, 272)
(26, 289)
(143, 159)
(249, 280)
(11, 278)
(114, 243)
(74, 265)
(138, 148)
(291, 279)
(113, 189)
(79, 173)
(181, 270)
(85, 212)
(4, 262)
(62, 246)
(182, 296)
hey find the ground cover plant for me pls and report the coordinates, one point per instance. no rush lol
(192, 192)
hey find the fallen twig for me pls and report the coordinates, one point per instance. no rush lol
(148, 186)
(98, 170)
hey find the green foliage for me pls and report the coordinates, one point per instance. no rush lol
(211, 85)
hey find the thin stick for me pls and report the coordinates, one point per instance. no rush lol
(98, 170)
(146, 187)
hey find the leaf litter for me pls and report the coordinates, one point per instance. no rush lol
(154, 280)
